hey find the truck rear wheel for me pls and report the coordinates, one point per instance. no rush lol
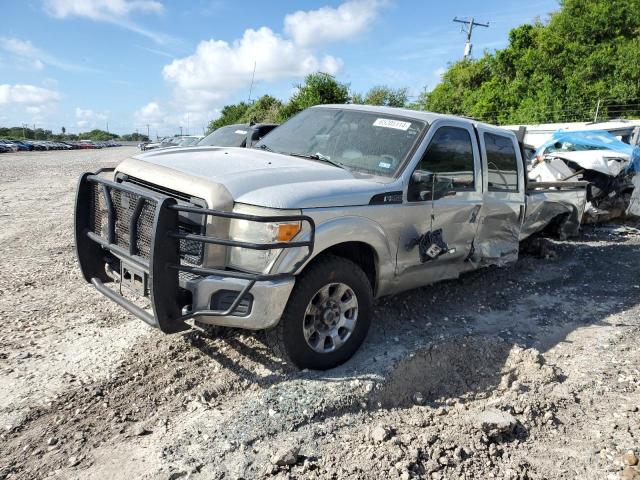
(327, 316)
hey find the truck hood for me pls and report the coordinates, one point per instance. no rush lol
(258, 177)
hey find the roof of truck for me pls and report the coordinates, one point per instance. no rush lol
(428, 117)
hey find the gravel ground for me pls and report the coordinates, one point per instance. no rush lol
(524, 372)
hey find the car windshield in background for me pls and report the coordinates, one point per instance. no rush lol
(366, 142)
(230, 136)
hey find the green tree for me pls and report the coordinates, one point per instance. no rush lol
(553, 71)
(264, 110)
(317, 89)
(229, 115)
(382, 95)
(98, 135)
(64, 130)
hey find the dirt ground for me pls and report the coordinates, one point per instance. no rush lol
(531, 371)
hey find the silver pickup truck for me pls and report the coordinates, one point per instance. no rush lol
(336, 207)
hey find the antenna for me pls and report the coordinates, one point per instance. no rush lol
(253, 76)
(467, 27)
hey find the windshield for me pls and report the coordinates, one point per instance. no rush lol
(374, 143)
(229, 136)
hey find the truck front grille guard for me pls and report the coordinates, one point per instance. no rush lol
(162, 264)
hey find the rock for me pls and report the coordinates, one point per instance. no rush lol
(380, 434)
(287, 455)
(52, 441)
(73, 461)
(418, 398)
(630, 473)
(494, 422)
(630, 458)
(177, 475)
(140, 430)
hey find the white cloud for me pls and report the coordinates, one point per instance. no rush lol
(86, 117)
(100, 9)
(27, 95)
(111, 11)
(151, 113)
(36, 58)
(328, 24)
(218, 68)
(167, 121)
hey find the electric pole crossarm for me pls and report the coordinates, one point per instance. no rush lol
(469, 24)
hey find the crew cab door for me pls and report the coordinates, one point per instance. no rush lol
(503, 198)
(443, 198)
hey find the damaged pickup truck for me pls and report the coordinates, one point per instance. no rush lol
(340, 205)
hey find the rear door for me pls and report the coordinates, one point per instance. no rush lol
(503, 198)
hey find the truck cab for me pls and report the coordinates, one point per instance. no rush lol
(336, 207)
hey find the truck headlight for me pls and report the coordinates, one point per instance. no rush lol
(259, 261)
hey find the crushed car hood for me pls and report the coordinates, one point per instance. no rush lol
(608, 162)
(263, 178)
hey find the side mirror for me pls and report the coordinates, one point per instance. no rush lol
(420, 176)
(429, 185)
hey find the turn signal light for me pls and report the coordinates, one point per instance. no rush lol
(286, 231)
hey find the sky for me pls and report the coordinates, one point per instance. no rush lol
(126, 64)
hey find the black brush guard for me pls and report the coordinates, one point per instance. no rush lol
(163, 263)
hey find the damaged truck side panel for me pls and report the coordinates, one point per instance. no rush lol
(339, 205)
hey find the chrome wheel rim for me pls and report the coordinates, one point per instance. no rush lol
(330, 317)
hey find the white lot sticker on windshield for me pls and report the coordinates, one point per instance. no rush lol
(388, 123)
(241, 132)
(384, 165)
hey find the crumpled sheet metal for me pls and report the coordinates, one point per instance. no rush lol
(543, 206)
(497, 240)
(634, 203)
(596, 140)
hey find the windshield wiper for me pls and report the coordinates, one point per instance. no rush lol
(320, 157)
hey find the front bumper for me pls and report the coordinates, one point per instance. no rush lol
(262, 308)
(121, 227)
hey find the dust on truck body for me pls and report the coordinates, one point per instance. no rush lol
(338, 206)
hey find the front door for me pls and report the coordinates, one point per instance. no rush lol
(443, 200)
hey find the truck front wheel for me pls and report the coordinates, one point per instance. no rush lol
(327, 316)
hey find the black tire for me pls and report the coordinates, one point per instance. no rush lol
(287, 338)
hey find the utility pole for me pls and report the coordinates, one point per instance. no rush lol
(180, 130)
(187, 123)
(107, 127)
(148, 137)
(467, 27)
(595, 120)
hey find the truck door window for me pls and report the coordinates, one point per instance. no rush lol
(502, 163)
(449, 156)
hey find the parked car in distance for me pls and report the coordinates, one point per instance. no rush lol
(238, 135)
(338, 206)
(10, 145)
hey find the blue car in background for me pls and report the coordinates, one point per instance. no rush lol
(22, 146)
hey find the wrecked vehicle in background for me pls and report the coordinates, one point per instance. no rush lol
(609, 165)
(297, 236)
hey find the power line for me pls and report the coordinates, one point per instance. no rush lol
(467, 27)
